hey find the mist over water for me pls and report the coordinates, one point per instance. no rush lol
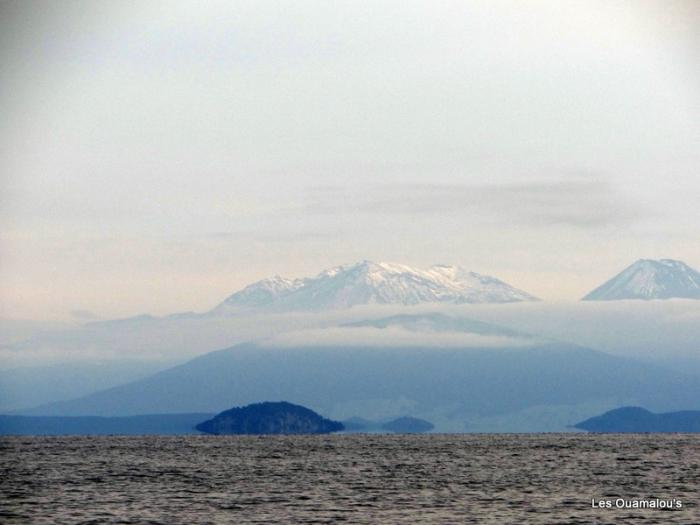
(390, 479)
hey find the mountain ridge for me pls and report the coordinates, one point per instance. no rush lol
(369, 282)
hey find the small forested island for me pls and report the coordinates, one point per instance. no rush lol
(636, 419)
(269, 418)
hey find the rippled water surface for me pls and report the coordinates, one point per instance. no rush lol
(546, 478)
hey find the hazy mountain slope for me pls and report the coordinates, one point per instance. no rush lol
(29, 386)
(374, 283)
(650, 279)
(431, 366)
(375, 382)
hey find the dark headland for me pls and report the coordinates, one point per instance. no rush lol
(269, 418)
(636, 419)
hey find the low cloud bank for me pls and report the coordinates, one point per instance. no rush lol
(646, 329)
(390, 337)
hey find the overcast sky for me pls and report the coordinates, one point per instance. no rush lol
(156, 156)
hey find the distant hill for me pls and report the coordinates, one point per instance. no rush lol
(408, 425)
(400, 425)
(650, 279)
(360, 424)
(636, 419)
(269, 418)
(92, 425)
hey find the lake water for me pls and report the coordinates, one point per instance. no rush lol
(395, 479)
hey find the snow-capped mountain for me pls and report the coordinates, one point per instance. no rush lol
(375, 283)
(650, 279)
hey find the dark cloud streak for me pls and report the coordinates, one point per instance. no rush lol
(582, 203)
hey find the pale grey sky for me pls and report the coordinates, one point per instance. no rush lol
(156, 156)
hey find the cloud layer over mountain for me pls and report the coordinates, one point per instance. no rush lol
(367, 336)
(647, 329)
